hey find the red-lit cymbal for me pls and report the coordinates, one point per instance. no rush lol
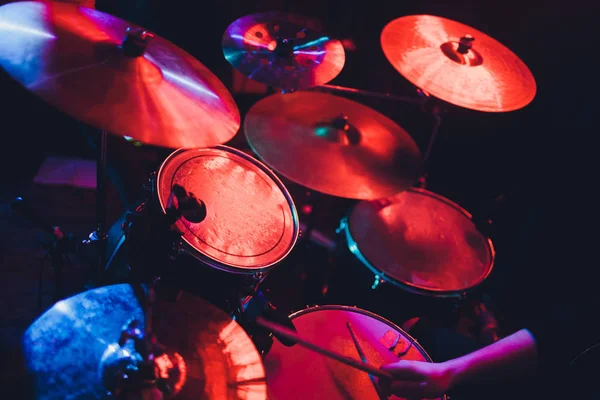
(74, 58)
(457, 63)
(333, 145)
(283, 50)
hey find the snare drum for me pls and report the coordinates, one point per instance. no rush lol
(251, 223)
(298, 373)
(415, 242)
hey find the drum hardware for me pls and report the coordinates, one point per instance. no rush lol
(258, 306)
(58, 250)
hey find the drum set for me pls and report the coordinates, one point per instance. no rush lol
(192, 320)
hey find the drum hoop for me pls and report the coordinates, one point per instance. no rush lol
(336, 307)
(205, 258)
(412, 288)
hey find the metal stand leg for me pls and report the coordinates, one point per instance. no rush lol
(99, 236)
(437, 120)
(387, 96)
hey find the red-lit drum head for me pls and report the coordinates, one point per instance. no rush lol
(420, 240)
(298, 373)
(251, 221)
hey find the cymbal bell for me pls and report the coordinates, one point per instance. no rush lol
(333, 145)
(114, 75)
(73, 346)
(457, 63)
(283, 50)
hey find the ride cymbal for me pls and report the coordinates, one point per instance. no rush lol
(283, 50)
(333, 145)
(114, 76)
(73, 349)
(457, 63)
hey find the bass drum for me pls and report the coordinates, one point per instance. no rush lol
(251, 225)
(298, 373)
(416, 248)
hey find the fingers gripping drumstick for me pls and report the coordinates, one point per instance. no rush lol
(288, 334)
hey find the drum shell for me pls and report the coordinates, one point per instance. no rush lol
(155, 251)
(352, 283)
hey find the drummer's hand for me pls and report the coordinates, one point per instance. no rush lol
(416, 379)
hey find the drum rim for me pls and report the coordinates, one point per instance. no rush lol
(211, 261)
(353, 247)
(358, 310)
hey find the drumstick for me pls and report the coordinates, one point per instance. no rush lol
(363, 358)
(289, 334)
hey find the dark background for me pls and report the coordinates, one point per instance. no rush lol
(529, 155)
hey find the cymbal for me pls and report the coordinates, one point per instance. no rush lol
(87, 64)
(283, 50)
(333, 145)
(457, 63)
(208, 355)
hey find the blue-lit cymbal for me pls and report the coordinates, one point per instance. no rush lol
(283, 50)
(125, 82)
(74, 349)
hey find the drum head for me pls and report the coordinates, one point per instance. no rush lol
(251, 221)
(421, 241)
(298, 373)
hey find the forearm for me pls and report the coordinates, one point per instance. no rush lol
(512, 356)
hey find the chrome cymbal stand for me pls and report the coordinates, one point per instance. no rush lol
(99, 237)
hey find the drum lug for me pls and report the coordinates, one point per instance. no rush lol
(342, 226)
(377, 281)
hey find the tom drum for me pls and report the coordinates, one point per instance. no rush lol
(298, 373)
(251, 222)
(415, 242)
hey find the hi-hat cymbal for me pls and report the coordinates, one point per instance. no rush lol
(333, 145)
(457, 63)
(208, 355)
(78, 60)
(283, 50)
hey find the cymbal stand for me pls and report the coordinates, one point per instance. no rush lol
(58, 250)
(436, 111)
(388, 96)
(100, 235)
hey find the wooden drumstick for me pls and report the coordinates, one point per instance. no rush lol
(288, 334)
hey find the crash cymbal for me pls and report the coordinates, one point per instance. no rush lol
(78, 60)
(333, 145)
(457, 63)
(283, 50)
(73, 347)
